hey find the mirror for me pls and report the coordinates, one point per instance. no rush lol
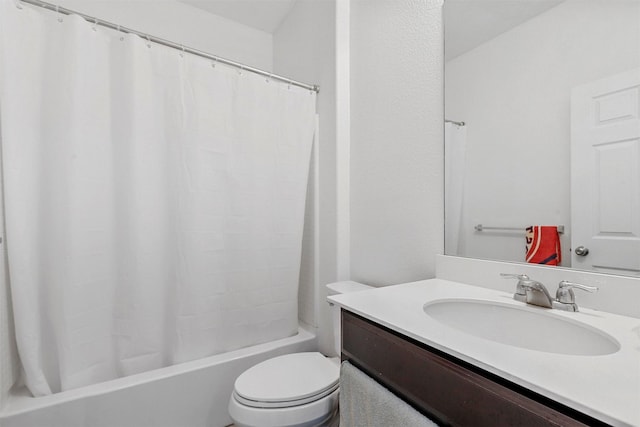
(545, 100)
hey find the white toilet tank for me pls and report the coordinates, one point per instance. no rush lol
(341, 288)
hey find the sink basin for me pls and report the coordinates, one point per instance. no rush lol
(526, 327)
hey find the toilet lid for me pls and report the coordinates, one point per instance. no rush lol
(292, 379)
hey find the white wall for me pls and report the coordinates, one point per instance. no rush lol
(304, 48)
(184, 24)
(396, 140)
(514, 94)
(170, 20)
(395, 160)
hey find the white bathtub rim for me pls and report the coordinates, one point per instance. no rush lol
(21, 401)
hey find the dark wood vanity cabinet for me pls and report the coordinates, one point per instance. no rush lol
(446, 389)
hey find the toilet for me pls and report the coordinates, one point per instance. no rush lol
(293, 390)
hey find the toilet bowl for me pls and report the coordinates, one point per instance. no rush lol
(293, 390)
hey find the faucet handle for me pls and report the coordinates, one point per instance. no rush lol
(521, 292)
(520, 277)
(514, 276)
(565, 293)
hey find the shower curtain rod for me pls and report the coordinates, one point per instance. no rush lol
(454, 122)
(168, 43)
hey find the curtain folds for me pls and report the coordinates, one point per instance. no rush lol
(154, 204)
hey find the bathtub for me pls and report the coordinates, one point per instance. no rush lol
(190, 394)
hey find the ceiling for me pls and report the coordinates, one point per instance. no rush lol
(468, 23)
(265, 15)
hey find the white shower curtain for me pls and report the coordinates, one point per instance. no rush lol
(154, 203)
(455, 143)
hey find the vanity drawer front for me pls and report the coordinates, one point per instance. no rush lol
(438, 386)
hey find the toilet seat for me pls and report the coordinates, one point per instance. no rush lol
(287, 381)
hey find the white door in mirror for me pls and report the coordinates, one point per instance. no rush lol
(605, 174)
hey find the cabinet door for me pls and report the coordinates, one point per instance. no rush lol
(442, 387)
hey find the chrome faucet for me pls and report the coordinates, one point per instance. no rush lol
(535, 293)
(530, 291)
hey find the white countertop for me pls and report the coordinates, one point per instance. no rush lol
(606, 387)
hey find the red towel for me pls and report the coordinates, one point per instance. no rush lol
(543, 245)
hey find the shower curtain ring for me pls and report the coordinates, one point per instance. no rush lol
(182, 53)
(215, 61)
(60, 19)
(19, 4)
(148, 41)
(95, 24)
(121, 36)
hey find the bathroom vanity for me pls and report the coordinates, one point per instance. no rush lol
(460, 369)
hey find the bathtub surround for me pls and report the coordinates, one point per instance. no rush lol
(193, 394)
(142, 207)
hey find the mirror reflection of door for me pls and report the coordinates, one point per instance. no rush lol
(605, 174)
